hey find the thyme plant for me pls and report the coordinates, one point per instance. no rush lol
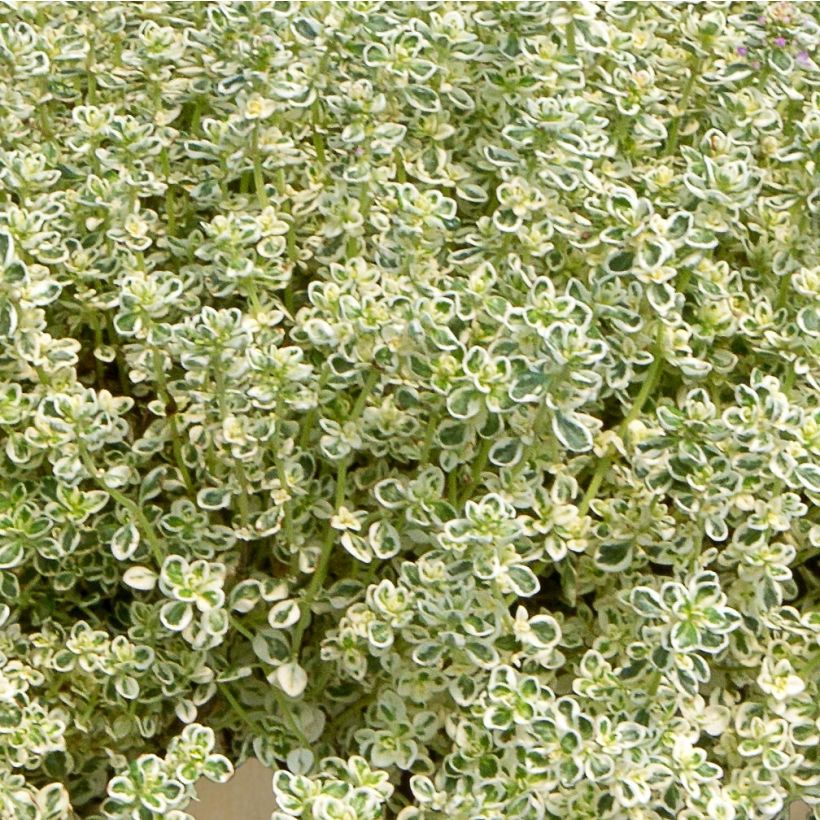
(420, 397)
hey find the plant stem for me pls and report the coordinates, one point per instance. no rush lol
(134, 509)
(238, 626)
(283, 479)
(320, 573)
(284, 707)
(240, 710)
(318, 139)
(674, 128)
(649, 383)
(478, 466)
(429, 432)
(244, 499)
(170, 215)
(571, 48)
(120, 359)
(176, 443)
(196, 115)
(258, 179)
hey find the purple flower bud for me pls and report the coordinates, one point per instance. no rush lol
(803, 58)
(780, 42)
(743, 51)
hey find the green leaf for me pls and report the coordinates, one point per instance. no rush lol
(8, 318)
(389, 493)
(127, 687)
(53, 802)
(7, 255)
(125, 541)
(428, 653)
(523, 581)
(11, 554)
(218, 768)
(464, 402)
(453, 434)
(176, 615)
(545, 629)
(464, 690)
(684, 636)
(379, 634)
(423, 98)
(10, 716)
(647, 602)
(482, 654)
(781, 61)
(384, 539)
(571, 432)
(271, 647)
(507, 452)
(809, 476)
(213, 498)
(614, 556)
(284, 614)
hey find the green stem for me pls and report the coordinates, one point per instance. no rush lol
(477, 468)
(674, 128)
(788, 381)
(369, 384)
(98, 343)
(176, 442)
(135, 510)
(351, 709)
(240, 710)
(91, 94)
(594, 485)
(170, 213)
(120, 358)
(258, 179)
(429, 432)
(318, 139)
(196, 114)
(401, 173)
(649, 383)
(244, 500)
(782, 292)
(804, 557)
(310, 420)
(237, 625)
(452, 487)
(320, 573)
(287, 521)
(571, 38)
(284, 707)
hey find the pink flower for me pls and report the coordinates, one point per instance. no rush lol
(780, 42)
(742, 51)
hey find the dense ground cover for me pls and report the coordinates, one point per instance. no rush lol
(420, 397)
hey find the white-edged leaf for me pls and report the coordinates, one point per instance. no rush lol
(292, 679)
(571, 432)
(284, 614)
(125, 541)
(213, 498)
(140, 578)
(176, 615)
